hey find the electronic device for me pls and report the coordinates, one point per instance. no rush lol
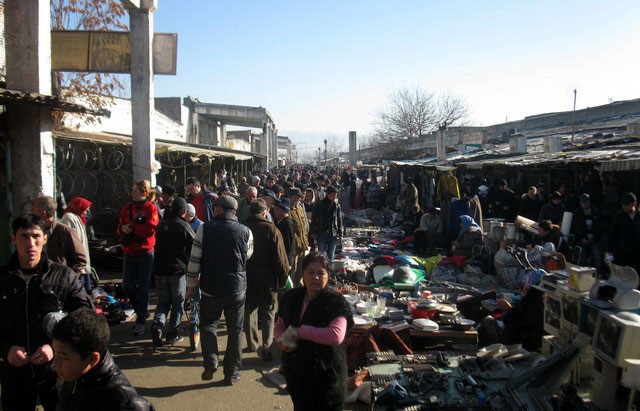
(616, 337)
(606, 377)
(571, 305)
(552, 313)
(589, 314)
(581, 278)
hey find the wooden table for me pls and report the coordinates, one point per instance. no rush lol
(420, 340)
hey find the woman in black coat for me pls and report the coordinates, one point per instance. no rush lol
(311, 330)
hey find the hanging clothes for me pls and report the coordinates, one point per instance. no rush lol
(447, 187)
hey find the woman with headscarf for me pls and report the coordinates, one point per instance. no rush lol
(311, 330)
(75, 216)
(137, 230)
(469, 236)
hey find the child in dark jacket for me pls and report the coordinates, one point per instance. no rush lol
(91, 379)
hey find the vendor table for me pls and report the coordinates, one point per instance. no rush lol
(422, 339)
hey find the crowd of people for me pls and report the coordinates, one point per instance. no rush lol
(256, 251)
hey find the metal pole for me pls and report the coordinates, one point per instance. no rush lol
(573, 122)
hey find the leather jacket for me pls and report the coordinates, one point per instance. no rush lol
(104, 387)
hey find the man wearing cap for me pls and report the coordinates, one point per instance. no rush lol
(301, 233)
(174, 238)
(553, 211)
(587, 227)
(266, 275)
(270, 198)
(503, 202)
(285, 225)
(192, 219)
(242, 187)
(625, 233)
(201, 199)
(429, 234)
(218, 262)
(243, 205)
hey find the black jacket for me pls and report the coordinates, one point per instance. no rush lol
(326, 218)
(268, 267)
(587, 227)
(53, 288)
(103, 388)
(316, 374)
(225, 248)
(625, 237)
(530, 207)
(552, 212)
(503, 204)
(288, 237)
(174, 238)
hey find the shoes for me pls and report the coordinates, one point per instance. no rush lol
(156, 336)
(172, 339)
(229, 381)
(207, 374)
(138, 329)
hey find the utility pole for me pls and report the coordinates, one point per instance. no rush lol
(573, 122)
(325, 149)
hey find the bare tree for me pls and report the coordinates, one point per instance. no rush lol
(95, 89)
(412, 112)
(334, 146)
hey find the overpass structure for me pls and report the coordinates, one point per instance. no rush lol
(208, 122)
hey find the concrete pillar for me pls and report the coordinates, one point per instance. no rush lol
(28, 53)
(142, 103)
(441, 151)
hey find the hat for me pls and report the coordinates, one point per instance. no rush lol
(295, 192)
(284, 204)
(502, 182)
(158, 189)
(191, 210)
(585, 198)
(223, 187)
(483, 190)
(268, 193)
(179, 206)
(226, 202)
(541, 184)
(556, 195)
(628, 198)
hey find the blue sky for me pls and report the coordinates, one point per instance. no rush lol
(324, 68)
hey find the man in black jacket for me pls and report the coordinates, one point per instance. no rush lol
(285, 225)
(218, 260)
(266, 275)
(91, 379)
(31, 288)
(625, 233)
(587, 227)
(326, 223)
(174, 237)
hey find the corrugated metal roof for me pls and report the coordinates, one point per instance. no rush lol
(30, 97)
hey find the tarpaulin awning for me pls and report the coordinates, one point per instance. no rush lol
(620, 165)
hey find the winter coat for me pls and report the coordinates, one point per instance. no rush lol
(65, 247)
(225, 250)
(315, 373)
(552, 212)
(268, 266)
(530, 207)
(300, 225)
(74, 221)
(145, 219)
(174, 238)
(53, 288)
(625, 237)
(326, 218)
(288, 237)
(103, 388)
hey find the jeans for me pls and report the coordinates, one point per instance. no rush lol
(266, 313)
(137, 273)
(327, 244)
(171, 290)
(211, 309)
(85, 279)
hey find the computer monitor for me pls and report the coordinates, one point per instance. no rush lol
(616, 337)
(552, 313)
(588, 318)
(571, 305)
